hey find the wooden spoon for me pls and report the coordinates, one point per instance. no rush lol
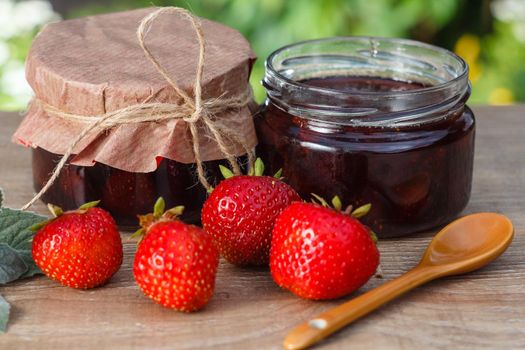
(464, 245)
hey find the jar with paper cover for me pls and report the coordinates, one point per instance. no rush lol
(135, 105)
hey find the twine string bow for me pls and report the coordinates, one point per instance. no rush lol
(195, 111)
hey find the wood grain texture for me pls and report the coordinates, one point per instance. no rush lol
(481, 310)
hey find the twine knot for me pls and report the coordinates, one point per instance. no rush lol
(194, 117)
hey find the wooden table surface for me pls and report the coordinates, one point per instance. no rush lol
(481, 310)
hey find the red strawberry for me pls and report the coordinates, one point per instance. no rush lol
(240, 214)
(79, 248)
(175, 263)
(320, 253)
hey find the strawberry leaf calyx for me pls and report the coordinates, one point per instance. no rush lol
(88, 205)
(159, 214)
(317, 199)
(137, 234)
(361, 211)
(337, 204)
(259, 167)
(175, 211)
(159, 208)
(57, 211)
(226, 173)
(256, 170)
(36, 227)
(373, 235)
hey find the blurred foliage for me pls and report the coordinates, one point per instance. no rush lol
(17, 47)
(270, 24)
(19, 23)
(488, 34)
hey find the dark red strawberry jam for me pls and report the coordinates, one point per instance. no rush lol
(124, 194)
(402, 140)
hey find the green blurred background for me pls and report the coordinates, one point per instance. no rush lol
(488, 34)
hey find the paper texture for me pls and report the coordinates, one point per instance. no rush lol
(95, 65)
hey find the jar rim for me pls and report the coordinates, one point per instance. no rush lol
(451, 89)
(269, 65)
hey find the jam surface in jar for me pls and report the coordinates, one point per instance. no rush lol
(416, 176)
(124, 194)
(362, 84)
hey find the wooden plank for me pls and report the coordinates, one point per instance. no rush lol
(481, 310)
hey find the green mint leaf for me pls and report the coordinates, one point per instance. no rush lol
(15, 233)
(15, 250)
(32, 269)
(4, 314)
(14, 227)
(12, 265)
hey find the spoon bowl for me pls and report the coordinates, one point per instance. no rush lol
(464, 245)
(468, 243)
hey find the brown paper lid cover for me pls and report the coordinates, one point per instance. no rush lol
(94, 65)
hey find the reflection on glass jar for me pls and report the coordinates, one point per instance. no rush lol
(372, 120)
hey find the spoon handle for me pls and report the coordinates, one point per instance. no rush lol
(334, 319)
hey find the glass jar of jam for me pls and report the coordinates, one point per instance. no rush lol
(372, 120)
